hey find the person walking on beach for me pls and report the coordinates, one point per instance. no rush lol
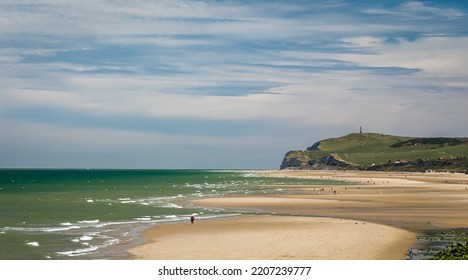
(192, 219)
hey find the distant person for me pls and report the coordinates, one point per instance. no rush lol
(192, 219)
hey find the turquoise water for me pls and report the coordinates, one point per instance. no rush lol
(90, 214)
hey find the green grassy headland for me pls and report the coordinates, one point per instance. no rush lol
(383, 152)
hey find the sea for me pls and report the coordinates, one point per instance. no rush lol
(99, 214)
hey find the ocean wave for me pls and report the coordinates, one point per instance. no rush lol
(86, 238)
(163, 202)
(64, 226)
(92, 240)
(162, 198)
(59, 229)
(170, 216)
(114, 223)
(78, 252)
(143, 218)
(43, 229)
(33, 243)
(171, 205)
(111, 241)
(127, 201)
(249, 175)
(89, 221)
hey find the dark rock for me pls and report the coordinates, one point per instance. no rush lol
(314, 147)
(291, 161)
(328, 160)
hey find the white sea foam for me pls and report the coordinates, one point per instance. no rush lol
(148, 201)
(89, 200)
(143, 219)
(171, 205)
(89, 222)
(33, 243)
(47, 229)
(114, 223)
(86, 238)
(59, 229)
(66, 224)
(128, 201)
(76, 240)
(111, 241)
(78, 252)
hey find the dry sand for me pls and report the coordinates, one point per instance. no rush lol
(377, 218)
(413, 201)
(275, 237)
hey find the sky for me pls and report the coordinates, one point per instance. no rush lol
(222, 84)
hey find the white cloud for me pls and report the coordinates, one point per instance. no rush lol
(435, 56)
(416, 9)
(416, 6)
(118, 21)
(364, 41)
(302, 94)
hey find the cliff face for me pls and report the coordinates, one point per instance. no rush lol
(302, 160)
(295, 160)
(312, 157)
(314, 147)
(329, 160)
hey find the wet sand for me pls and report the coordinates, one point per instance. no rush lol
(375, 218)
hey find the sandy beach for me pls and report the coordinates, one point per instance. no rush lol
(275, 237)
(378, 217)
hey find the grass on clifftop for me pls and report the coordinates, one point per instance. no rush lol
(368, 148)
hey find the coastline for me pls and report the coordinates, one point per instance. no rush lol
(394, 206)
